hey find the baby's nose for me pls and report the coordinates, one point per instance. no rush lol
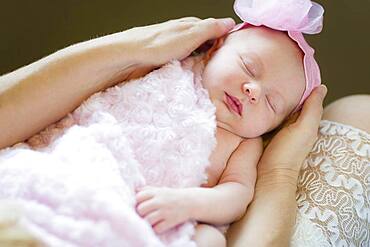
(253, 91)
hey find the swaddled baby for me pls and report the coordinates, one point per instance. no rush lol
(255, 77)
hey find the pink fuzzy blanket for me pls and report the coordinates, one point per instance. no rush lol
(76, 180)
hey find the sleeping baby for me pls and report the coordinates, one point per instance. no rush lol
(141, 162)
(256, 77)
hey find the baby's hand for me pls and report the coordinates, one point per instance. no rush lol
(163, 207)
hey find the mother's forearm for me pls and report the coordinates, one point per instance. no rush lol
(270, 218)
(43, 92)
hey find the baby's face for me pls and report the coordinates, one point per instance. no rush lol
(255, 79)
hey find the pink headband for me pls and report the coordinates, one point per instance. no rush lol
(295, 17)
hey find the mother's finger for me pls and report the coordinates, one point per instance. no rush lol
(218, 27)
(215, 28)
(189, 19)
(312, 110)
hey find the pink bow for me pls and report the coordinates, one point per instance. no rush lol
(295, 17)
(286, 15)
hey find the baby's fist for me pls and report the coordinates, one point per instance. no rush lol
(163, 207)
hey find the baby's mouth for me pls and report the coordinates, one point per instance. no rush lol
(234, 104)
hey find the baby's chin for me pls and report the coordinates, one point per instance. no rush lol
(246, 134)
(237, 132)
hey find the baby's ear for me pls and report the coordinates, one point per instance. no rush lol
(214, 47)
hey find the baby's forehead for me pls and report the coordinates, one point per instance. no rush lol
(262, 36)
(272, 47)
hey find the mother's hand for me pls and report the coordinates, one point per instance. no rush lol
(290, 146)
(65, 78)
(272, 212)
(176, 39)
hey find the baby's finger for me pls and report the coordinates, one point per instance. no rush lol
(142, 196)
(145, 188)
(312, 110)
(153, 217)
(162, 227)
(146, 207)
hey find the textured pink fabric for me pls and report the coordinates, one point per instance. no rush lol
(295, 17)
(76, 179)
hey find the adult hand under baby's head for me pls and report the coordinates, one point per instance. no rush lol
(255, 78)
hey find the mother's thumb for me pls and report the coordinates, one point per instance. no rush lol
(322, 91)
(312, 108)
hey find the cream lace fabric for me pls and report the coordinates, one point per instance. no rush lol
(334, 190)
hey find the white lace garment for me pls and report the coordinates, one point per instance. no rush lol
(333, 192)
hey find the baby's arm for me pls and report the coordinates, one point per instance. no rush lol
(164, 208)
(228, 200)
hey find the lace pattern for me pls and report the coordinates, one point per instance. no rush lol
(306, 234)
(333, 191)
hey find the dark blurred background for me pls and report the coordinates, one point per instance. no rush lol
(31, 30)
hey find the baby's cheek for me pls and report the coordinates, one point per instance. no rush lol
(256, 127)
